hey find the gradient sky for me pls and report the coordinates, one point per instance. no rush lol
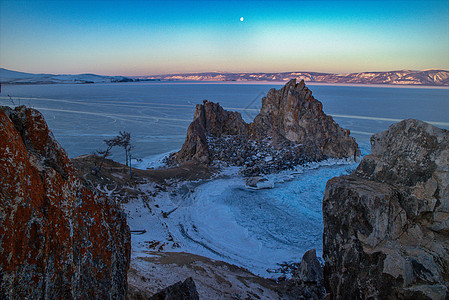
(157, 37)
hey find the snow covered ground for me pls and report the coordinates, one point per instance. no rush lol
(224, 219)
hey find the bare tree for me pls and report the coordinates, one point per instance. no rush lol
(122, 140)
(125, 143)
(105, 153)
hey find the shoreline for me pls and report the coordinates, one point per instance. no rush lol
(255, 82)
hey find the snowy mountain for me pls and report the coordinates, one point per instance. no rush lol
(400, 77)
(14, 77)
(425, 77)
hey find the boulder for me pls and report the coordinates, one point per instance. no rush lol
(181, 290)
(307, 279)
(386, 226)
(259, 182)
(58, 239)
(310, 269)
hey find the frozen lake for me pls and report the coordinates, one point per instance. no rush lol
(221, 218)
(158, 114)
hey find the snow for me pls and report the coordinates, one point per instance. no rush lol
(224, 219)
(151, 162)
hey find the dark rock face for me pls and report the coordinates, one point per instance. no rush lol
(58, 239)
(308, 278)
(209, 119)
(290, 129)
(181, 290)
(386, 226)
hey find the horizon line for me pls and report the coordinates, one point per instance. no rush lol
(228, 72)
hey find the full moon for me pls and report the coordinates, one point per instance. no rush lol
(241, 19)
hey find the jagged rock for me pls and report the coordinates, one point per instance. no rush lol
(209, 119)
(293, 114)
(58, 239)
(291, 129)
(181, 290)
(386, 226)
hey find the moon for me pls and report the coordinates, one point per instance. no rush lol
(241, 19)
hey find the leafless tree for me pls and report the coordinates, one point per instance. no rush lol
(110, 143)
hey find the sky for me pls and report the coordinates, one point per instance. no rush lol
(159, 37)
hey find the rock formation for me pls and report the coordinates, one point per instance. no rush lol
(293, 115)
(58, 239)
(308, 280)
(210, 119)
(290, 129)
(386, 226)
(185, 290)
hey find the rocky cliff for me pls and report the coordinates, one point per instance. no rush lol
(58, 239)
(386, 226)
(290, 129)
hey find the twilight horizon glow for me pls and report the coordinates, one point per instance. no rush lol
(158, 37)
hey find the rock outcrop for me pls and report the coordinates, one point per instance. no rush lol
(308, 279)
(210, 119)
(386, 226)
(185, 290)
(58, 239)
(290, 129)
(293, 115)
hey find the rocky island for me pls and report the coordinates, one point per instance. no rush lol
(291, 129)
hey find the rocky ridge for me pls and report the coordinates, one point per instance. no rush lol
(386, 226)
(291, 129)
(58, 239)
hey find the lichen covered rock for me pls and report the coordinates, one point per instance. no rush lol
(386, 226)
(58, 239)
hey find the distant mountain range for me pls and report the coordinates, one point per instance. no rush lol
(401, 77)
(426, 77)
(14, 77)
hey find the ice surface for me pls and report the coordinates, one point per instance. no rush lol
(224, 219)
(157, 114)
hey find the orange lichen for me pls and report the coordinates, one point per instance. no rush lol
(57, 238)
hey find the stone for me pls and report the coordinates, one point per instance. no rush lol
(290, 129)
(58, 239)
(307, 280)
(386, 228)
(310, 269)
(181, 290)
(259, 182)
